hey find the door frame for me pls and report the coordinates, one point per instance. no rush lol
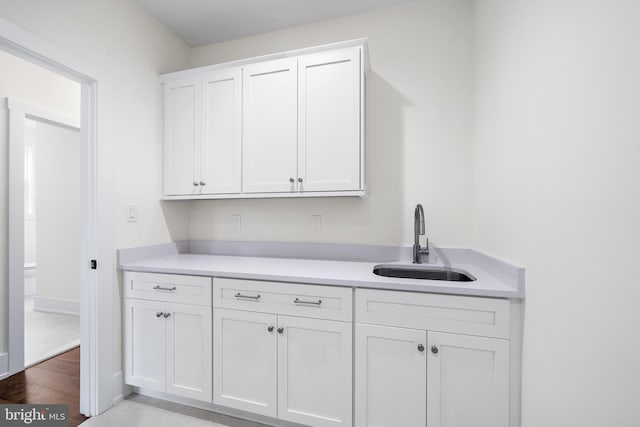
(97, 293)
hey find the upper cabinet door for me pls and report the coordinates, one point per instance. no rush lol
(467, 372)
(183, 109)
(270, 126)
(221, 159)
(329, 98)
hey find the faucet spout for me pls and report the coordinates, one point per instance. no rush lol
(419, 230)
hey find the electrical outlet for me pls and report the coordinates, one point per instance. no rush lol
(316, 222)
(237, 222)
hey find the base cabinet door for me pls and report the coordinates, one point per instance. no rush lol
(245, 361)
(188, 353)
(144, 344)
(390, 377)
(468, 381)
(314, 371)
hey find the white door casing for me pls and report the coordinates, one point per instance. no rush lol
(96, 295)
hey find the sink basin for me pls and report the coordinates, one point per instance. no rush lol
(428, 273)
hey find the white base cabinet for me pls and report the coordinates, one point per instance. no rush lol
(167, 345)
(391, 377)
(293, 368)
(417, 365)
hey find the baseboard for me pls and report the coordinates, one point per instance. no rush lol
(120, 389)
(56, 305)
(4, 365)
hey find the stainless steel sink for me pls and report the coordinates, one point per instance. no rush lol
(423, 272)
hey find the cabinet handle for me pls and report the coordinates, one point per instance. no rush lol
(280, 331)
(160, 288)
(159, 314)
(202, 184)
(270, 328)
(299, 301)
(167, 315)
(239, 295)
(434, 349)
(195, 184)
(291, 180)
(420, 348)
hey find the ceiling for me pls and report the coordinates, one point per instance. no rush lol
(200, 22)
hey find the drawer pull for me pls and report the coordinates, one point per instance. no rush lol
(299, 301)
(160, 288)
(239, 295)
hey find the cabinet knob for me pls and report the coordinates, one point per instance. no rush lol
(280, 331)
(195, 184)
(167, 315)
(299, 179)
(159, 314)
(202, 184)
(434, 349)
(270, 328)
(291, 180)
(420, 348)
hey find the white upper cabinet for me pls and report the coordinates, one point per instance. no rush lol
(182, 133)
(221, 154)
(283, 125)
(329, 152)
(270, 128)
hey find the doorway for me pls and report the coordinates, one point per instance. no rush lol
(51, 236)
(97, 381)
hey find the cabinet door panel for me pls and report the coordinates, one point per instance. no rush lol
(245, 361)
(315, 371)
(221, 168)
(390, 377)
(183, 109)
(270, 126)
(329, 121)
(189, 351)
(468, 381)
(144, 344)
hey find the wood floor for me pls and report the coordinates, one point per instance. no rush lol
(56, 380)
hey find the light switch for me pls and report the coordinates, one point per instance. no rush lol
(316, 222)
(132, 213)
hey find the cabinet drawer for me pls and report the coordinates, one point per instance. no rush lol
(168, 287)
(487, 317)
(321, 302)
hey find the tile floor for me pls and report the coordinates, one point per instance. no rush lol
(47, 334)
(142, 411)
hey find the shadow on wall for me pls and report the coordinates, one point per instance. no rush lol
(375, 220)
(176, 216)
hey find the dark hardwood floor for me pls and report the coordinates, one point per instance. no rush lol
(56, 380)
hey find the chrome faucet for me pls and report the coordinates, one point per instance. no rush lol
(418, 230)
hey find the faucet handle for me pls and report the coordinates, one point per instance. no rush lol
(424, 250)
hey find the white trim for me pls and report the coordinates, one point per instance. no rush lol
(363, 43)
(96, 294)
(122, 390)
(43, 114)
(355, 193)
(56, 305)
(4, 365)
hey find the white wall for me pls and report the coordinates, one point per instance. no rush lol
(418, 133)
(120, 38)
(34, 85)
(556, 150)
(57, 212)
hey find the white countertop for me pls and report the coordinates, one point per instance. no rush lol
(324, 272)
